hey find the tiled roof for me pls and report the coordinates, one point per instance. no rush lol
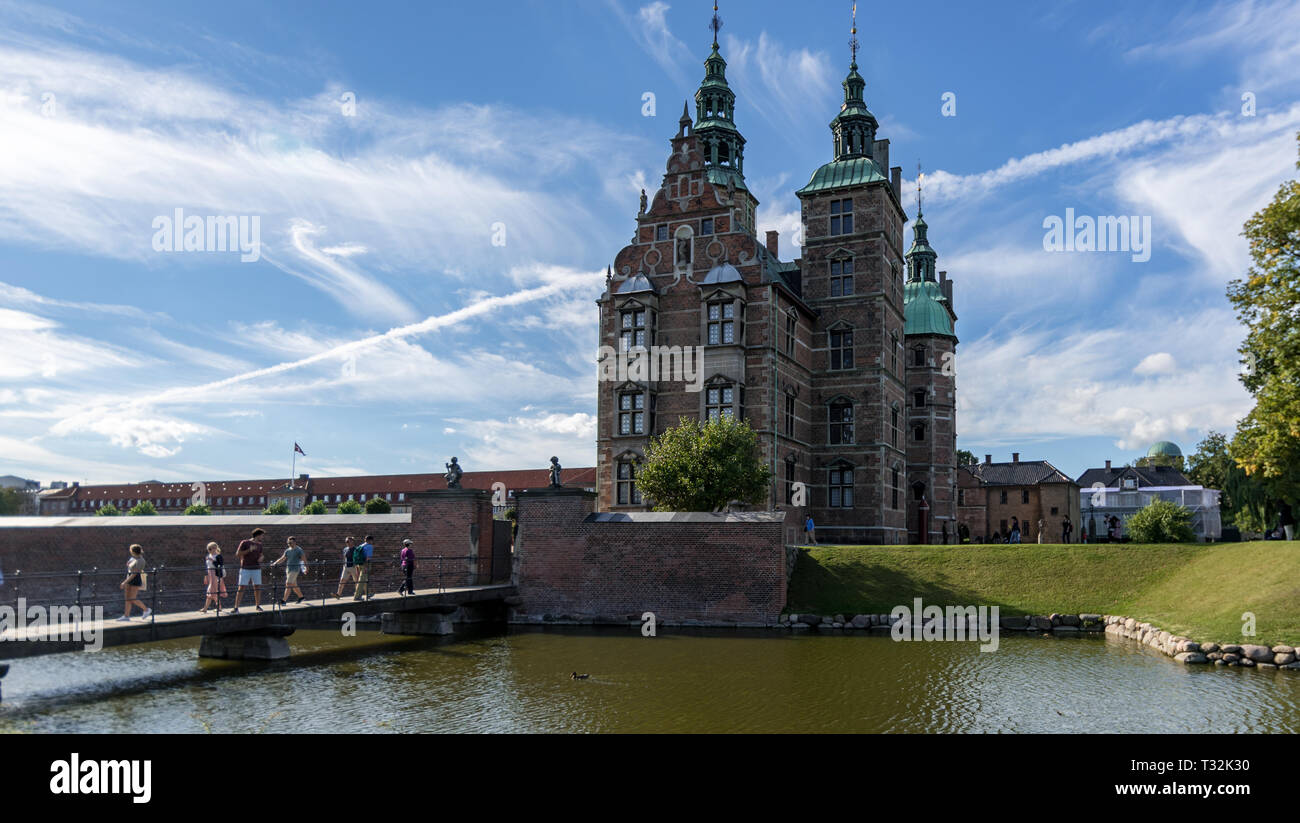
(1022, 473)
(361, 484)
(1146, 476)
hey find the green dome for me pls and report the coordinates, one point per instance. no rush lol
(925, 309)
(1164, 449)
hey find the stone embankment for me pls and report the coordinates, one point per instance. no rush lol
(1186, 650)
(1183, 649)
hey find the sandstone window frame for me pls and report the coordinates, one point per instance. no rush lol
(841, 216)
(626, 492)
(839, 348)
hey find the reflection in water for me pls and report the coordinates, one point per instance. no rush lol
(719, 682)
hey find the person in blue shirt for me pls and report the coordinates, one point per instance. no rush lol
(810, 529)
(361, 559)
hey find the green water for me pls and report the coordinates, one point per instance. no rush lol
(719, 682)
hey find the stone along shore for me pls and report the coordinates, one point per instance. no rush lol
(1182, 649)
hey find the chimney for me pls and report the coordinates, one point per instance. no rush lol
(1107, 465)
(771, 242)
(896, 179)
(943, 276)
(1015, 457)
(988, 458)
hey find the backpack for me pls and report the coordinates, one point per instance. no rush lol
(359, 555)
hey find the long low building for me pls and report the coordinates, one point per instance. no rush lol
(252, 496)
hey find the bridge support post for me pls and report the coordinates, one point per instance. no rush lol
(258, 644)
(435, 621)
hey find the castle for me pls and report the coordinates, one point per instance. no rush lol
(841, 360)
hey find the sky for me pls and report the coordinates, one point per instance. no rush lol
(438, 188)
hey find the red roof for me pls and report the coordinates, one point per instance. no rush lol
(360, 484)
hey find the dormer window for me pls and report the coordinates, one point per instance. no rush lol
(633, 329)
(722, 323)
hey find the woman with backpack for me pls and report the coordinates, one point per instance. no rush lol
(216, 578)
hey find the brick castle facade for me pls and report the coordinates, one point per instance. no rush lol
(841, 360)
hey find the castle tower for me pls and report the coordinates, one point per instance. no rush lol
(931, 390)
(695, 275)
(851, 273)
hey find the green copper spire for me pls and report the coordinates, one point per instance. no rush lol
(921, 257)
(715, 108)
(855, 126)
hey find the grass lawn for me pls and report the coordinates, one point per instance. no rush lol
(1195, 590)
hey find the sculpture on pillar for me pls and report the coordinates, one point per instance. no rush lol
(643, 201)
(555, 473)
(453, 474)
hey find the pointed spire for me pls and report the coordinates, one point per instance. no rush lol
(715, 105)
(920, 257)
(919, 177)
(853, 38)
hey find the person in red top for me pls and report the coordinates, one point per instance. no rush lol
(250, 569)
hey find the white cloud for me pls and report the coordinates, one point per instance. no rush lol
(1159, 363)
(783, 85)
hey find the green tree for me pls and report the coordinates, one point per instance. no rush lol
(278, 507)
(350, 507)
(701, 467)
(144, 507)
(315, 507)
(1267, 300)
(965, 458)
(198, 509)
(13, 502)
(1161, 521)
(1210, 465)
(107, 510)
(378, 505)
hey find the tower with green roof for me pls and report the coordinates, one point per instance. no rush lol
(852, 275)
(931, 380)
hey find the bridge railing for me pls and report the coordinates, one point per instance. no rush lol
(172, 589)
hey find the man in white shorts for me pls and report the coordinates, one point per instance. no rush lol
(250, 569)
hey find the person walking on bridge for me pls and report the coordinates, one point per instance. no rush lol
(216, 568)
(349, 573)
(408, 568)
(295, 563)
(133, 583)
(249, 553)
(361, 559)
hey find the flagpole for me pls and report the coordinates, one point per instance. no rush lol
(294, 465)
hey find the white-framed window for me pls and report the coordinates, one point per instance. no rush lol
(633, 329)
(722, 323)
(719, 402)
(631, 413)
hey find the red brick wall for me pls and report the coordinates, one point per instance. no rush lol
(570, 564)
(439, 523)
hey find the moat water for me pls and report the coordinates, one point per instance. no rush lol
(519, 681)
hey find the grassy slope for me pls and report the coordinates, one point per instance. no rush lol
(1196, 590)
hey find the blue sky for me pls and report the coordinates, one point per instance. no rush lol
(384, 330)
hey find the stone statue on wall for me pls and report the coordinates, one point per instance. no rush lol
(643, 201)
(453, 474)
(555, 473)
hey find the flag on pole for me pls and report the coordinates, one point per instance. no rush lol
(299, 450)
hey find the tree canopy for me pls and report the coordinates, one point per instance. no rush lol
(702, 467)
(1267, 443)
